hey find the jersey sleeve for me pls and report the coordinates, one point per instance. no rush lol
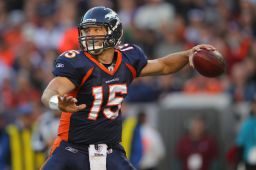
(136, 57)
(68, 67)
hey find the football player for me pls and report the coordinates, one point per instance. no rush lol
(89, 87)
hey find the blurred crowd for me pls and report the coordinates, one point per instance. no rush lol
(34, 32)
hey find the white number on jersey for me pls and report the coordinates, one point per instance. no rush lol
(113, 100)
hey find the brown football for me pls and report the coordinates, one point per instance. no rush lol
(209, 63)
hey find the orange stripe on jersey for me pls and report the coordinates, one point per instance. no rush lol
(65, 121)
(55, 145)
(118, 62)
(41, 168)
(87, 75)
(64, 125)
(132, 70)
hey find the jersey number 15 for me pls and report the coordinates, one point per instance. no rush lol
(113, 100)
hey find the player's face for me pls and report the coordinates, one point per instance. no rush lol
(95, 30)
(95, 36)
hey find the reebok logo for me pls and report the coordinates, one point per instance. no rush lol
(70, 149)
(59, 65)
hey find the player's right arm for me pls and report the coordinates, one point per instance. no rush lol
(68, 76)
(55, 96)
(172, 62)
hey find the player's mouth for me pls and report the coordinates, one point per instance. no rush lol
(94, 44)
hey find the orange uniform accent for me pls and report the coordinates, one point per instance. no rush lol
(55, 145)
(64, 125)
(65, 121)
(118, 62)
(41, 168)
(87, 75)
(132, 69)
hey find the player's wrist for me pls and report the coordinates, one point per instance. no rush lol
(190, 54)
(54, 103)
(187, 53)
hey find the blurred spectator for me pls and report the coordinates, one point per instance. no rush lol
(25, 93)
(147, 147)
(66, 13)
(7, 98)
(200, 84)
(154, 14)
(5, 73)
(149, 20)
(106, 3)
(196, 24)
(126, 12)
(172, 38)
(20, 148)
(238, 44)
(69, 40)
(243, 83)
(197, 150)
(13, 35)
(246, 139)
(49, 34)
(6, 54)
(45, 131)
(3, 15)
(4, 143)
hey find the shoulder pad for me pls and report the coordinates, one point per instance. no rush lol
(134, 56)
(125, 47)
(70, 53)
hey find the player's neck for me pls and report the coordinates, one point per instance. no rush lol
(106, 57)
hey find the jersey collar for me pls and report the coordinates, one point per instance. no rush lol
(118, 62)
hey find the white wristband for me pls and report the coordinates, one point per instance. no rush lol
(54, 103)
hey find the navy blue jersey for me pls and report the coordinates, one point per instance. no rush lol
(101, 90)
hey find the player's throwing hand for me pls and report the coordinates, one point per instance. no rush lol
(197, 48)
(68, 104)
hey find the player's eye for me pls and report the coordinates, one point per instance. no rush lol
(86, 31)
(98, 29)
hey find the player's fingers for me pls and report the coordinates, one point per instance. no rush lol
(60, 98)
(77, 108)
(69, 99)
(196, 48)
(74, 100)
(64, 98)
(207, 47)
(81, 106)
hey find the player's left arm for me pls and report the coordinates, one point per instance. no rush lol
(172, 62)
